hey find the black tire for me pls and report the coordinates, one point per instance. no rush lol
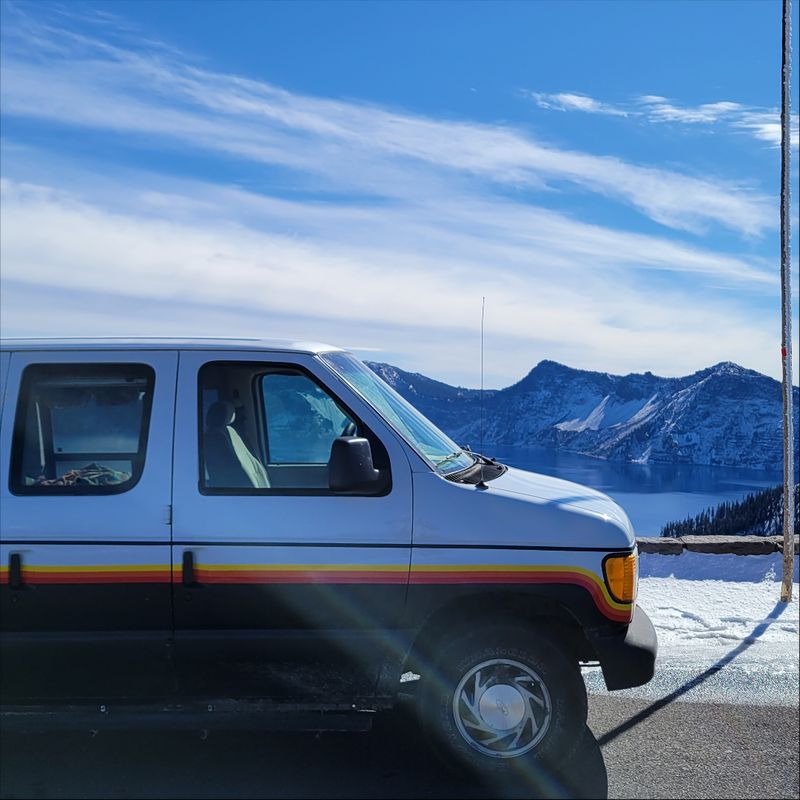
(552, 724)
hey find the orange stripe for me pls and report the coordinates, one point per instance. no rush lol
(379, 574)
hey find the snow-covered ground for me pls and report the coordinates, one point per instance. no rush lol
(709, 602)
(723, 633)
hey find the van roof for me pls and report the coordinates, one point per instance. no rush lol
(166, 343)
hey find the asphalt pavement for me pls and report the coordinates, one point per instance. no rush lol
(632, 748)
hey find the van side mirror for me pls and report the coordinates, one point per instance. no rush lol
(350, 466)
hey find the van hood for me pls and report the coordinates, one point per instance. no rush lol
(563, 494)
(518, 509)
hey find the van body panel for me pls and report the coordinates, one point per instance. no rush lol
(568, 584)
(136, 515)
(94, 605)
(571, 498)
(171, 343)
(5, 361)
(325, 573)
(518, 509)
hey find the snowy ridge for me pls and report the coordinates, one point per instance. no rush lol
(725, 415)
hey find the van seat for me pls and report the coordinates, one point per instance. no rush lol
(228, 461)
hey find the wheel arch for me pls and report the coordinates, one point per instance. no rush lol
(460, 614)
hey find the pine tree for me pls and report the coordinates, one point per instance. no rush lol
(759, 514)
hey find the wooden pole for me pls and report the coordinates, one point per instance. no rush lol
(483, 315)
(786, 309)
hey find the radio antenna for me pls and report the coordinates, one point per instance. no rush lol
(483, 316)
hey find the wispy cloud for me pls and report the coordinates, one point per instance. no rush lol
(766, 126)
(85, 82)
(569, 101)
(763, 124)
(659, 109)
(555, 285)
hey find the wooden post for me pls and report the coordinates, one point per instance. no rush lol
(483, 316)
(786, 309)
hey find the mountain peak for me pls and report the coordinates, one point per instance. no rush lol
(544, 370)
(727, 366)
(547, 365)
(730, 368)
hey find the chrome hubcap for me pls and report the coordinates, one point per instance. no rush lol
(502, 708)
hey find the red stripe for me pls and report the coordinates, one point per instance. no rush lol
(94, 577)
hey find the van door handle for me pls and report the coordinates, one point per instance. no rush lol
(188, 570)
(15, 571)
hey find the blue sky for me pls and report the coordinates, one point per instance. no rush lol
(605, 173)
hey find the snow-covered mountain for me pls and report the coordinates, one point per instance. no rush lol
(723, 415)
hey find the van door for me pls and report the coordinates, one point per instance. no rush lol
(85, 488)
(5, 360)
(282, 587)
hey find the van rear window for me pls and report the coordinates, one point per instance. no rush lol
(81, 428)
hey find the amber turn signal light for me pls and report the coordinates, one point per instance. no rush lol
(621, 573)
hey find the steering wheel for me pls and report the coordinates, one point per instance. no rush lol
(349, 429)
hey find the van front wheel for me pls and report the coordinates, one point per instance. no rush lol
(495, 697)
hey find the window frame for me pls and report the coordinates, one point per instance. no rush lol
(385, 485)
(24, 405)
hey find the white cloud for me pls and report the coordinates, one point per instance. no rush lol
(185, 262)
(766, 126)
(569, 101)
(761, 123)
(355, 145)
(659, 109)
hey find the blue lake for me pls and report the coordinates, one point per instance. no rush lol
(652, 495)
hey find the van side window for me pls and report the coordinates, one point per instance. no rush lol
(81, 428)
(302, 420)
(269, 428)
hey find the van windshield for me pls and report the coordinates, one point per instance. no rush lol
(445, 455)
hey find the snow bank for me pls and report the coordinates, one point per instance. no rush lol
(717, 566)
(708, 613)
(706, 606)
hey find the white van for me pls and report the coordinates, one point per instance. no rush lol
(214, 531)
